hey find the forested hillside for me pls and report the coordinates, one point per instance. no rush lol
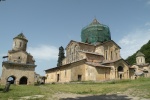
(145, 49)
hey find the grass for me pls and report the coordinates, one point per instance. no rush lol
(139, 87)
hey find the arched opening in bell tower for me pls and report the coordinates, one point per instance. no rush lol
(11, 79)
(23, 80)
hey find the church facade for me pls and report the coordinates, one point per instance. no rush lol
(19, 67)
(95, 58)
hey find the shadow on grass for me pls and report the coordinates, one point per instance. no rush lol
(100, 97)
(2, 90)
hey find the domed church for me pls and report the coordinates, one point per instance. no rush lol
(95, 58)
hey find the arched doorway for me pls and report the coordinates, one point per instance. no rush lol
(11, 79)
(23, 80)
(120, 72)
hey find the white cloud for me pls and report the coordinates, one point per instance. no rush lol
(44, 52)
(133, 41)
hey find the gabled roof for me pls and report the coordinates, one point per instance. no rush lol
(93, 44)
(21, 36)
(97, 64)
(111, 42)
(63, 66)
(112, 61)
(78, 43)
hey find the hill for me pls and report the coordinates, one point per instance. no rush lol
(145, 49)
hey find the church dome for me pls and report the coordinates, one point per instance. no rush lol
(139, 54)
(95, 32)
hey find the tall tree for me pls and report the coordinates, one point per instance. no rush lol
(61, 56)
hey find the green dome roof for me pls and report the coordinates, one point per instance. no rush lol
(95, 32)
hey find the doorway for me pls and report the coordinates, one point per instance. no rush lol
(57, 77)
(23, 80)
(120, 76)
(120, 72)
(11, 79)
(79, 77)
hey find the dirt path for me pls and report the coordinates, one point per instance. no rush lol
(70, 96)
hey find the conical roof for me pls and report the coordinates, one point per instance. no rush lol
(139, 54)
(95, 22)
(21, 36)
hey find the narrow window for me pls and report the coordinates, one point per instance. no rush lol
(65, 73)
(106, 55)
(111, 56)
(20, 44)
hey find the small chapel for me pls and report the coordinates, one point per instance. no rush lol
(141, 68)
(96, 58)
(19, 66)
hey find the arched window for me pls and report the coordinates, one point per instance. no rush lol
(75, 52)
(20, 44)
(120, 69)
(106, 55)
(111, 55)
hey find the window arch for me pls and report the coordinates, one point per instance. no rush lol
(120, 69)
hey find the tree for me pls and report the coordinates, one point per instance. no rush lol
(60, 56)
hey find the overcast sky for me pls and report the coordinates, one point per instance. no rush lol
(49, 24)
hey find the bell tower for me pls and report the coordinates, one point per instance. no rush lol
(19, 43)
(140, 58)
(20, 65)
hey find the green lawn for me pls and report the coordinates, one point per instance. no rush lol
(139, 87)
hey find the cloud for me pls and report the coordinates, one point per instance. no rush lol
(133, 41)
(44, 52)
